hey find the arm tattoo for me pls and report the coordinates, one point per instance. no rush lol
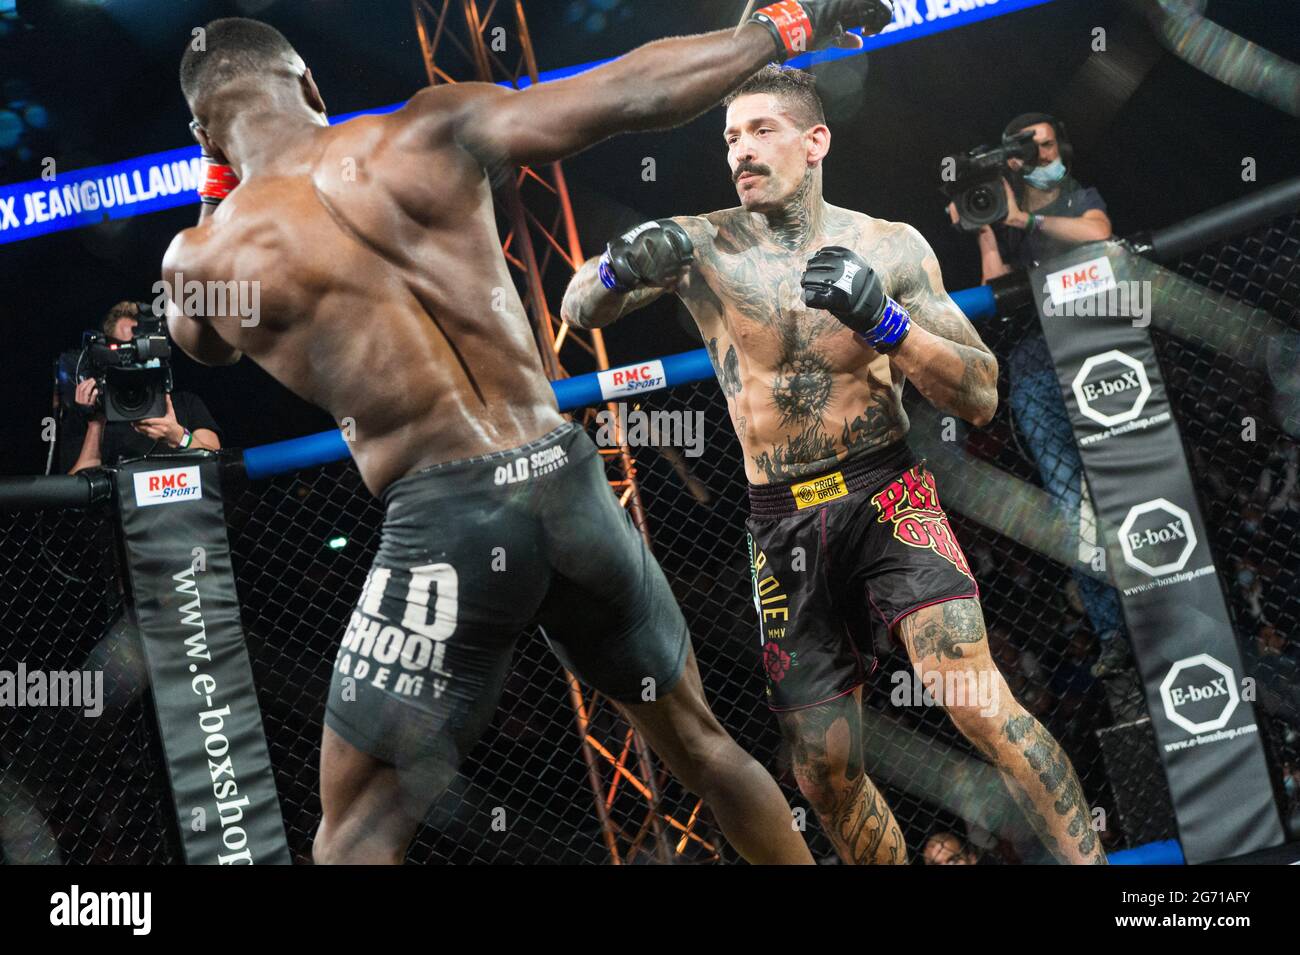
(918, 286)
(589, 305)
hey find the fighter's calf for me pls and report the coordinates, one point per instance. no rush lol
(949, 639)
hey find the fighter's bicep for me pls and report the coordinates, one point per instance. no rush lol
(920, 290)
(544, 123)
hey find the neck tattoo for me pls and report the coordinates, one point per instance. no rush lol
(800, 219)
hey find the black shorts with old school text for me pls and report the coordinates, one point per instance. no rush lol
(474, 552)
(834, 555)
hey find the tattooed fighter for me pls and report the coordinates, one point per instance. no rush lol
(815, 316)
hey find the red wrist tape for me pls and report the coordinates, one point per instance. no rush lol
(791, 23)
(218, 182)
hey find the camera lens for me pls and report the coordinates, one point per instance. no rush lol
(981, 200)
(132, 399)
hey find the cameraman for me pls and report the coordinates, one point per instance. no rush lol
(1049, 213)
(187, 423)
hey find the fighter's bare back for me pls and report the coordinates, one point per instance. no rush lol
(385, 297)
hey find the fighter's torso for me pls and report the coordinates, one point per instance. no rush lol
(802, 391)
(384, 297)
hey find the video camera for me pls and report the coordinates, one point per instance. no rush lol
(134, 377)
(977, 189)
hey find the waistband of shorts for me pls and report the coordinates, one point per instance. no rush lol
(866, 472)
(453, 475)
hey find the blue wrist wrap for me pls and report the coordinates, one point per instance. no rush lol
(890, 330)
(607, 277)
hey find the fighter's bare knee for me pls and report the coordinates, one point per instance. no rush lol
(706, 756)
(349, 843)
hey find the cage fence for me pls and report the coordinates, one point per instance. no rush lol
(78, 788)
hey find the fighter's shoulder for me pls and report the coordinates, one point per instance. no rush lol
(192, 250)
(236, 222)
(705, 229)
(895, 239)
(433, 113)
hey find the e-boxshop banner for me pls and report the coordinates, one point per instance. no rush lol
(1158, 551)
(178, 556)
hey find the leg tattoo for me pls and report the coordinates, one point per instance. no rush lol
(1059, 786)
(826, 744)
(949, 638)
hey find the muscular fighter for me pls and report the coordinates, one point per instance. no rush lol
(815, 316)
(381, 287)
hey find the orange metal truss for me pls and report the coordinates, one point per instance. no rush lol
(490, 40)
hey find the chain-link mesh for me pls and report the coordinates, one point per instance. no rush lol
(75, 786)
(77, 789)
(1237, 400)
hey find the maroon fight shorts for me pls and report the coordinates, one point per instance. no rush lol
(828, 553)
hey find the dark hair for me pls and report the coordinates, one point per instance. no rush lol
(1024, 121)
(119, 311)
(233, 47)
(797, 88)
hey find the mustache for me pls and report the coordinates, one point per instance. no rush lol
(750, 167)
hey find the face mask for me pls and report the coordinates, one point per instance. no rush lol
(1045, 177)
(1245, 578)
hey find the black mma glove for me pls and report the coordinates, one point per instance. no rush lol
(652, 254)
(841, 282)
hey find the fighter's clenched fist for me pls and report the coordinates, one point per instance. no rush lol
(654, 254)
(840, 281)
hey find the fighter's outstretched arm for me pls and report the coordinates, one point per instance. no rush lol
(589, 304)
(657, 86)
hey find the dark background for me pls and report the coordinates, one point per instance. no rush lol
(1160, 140)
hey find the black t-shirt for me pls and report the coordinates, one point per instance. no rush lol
(1020, 249)
(123, 441)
